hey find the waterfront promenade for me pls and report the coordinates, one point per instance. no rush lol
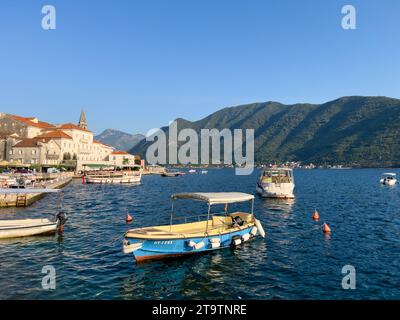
(50, 181)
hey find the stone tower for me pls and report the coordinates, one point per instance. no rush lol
(82, 121)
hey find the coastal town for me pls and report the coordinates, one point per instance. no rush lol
(36, 154)
(28, 141)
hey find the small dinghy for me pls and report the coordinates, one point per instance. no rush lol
(30, 227)
(211, 231)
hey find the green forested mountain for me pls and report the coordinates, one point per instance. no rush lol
(353, 130)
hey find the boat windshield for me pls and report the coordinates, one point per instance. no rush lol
(277, 176)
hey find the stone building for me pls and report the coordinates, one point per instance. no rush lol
(30, 141)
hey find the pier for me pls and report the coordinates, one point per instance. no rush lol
(50, 181)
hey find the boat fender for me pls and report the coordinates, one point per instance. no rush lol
(260, 228)
(215, 245)
(215, 240)
(129, 248)
(236, 240)
(246, 237)
(191, 243)
(253, 231)
(199, 245)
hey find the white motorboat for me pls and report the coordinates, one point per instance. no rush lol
(389, 179)
(30, 227)
(27, 227)
(114, 177)
(276, 183)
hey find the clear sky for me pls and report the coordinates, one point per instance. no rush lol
(135, 65)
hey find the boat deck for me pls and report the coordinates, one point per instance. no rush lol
(216, 226)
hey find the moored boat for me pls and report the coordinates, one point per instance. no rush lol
(216, 231)
(389, 179)
(172, 173)
(30, 227)
(27, 227)
(114, 177)
(276, 183)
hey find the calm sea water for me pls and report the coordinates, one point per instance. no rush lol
(295, 261)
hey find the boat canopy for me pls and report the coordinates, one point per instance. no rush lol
(27, 191)
(389, 174)
(215, 197)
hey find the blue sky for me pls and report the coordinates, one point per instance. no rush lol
(135, 65)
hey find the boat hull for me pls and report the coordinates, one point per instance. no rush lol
(272, 190)
(122, 180)
(155, 249)
(387, 182)
(17, 231)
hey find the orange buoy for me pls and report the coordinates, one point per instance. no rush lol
(316, 216)
(129, 218)
(326, 229)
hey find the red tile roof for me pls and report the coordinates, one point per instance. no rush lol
(120, 152)
(29, 121)
(72, 126)
(30, 143)
(56, 134)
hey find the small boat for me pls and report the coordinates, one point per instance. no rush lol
(215, 231)
(389, 179)
(114, 177)
(30, 227)
(276, 183)
(204, 172)
(192, 171)
(172, 173)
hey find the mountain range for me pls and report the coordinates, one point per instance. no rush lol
(119, 140)
(355, 130)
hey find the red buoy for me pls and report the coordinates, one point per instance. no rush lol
(129, 218)
(326, 229)
(316, 216)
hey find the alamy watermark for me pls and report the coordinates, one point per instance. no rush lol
(349, 280)
(49, 19)
(190, 147)
(349, 21)
(49, 280)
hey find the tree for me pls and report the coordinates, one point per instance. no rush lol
(67, 156)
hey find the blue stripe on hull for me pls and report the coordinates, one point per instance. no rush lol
(158, 248)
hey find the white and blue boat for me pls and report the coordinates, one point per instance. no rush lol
(215, 231)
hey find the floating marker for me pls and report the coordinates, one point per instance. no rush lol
(129, 218)
(326, 229)
(316, 216)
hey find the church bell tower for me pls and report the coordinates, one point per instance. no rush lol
(82, 121)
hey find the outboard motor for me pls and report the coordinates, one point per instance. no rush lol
(237, 221)
(61, 218)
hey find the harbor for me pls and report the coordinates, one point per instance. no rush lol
(50, 181)
(295, 260)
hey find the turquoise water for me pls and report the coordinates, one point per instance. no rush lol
(295, 261)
